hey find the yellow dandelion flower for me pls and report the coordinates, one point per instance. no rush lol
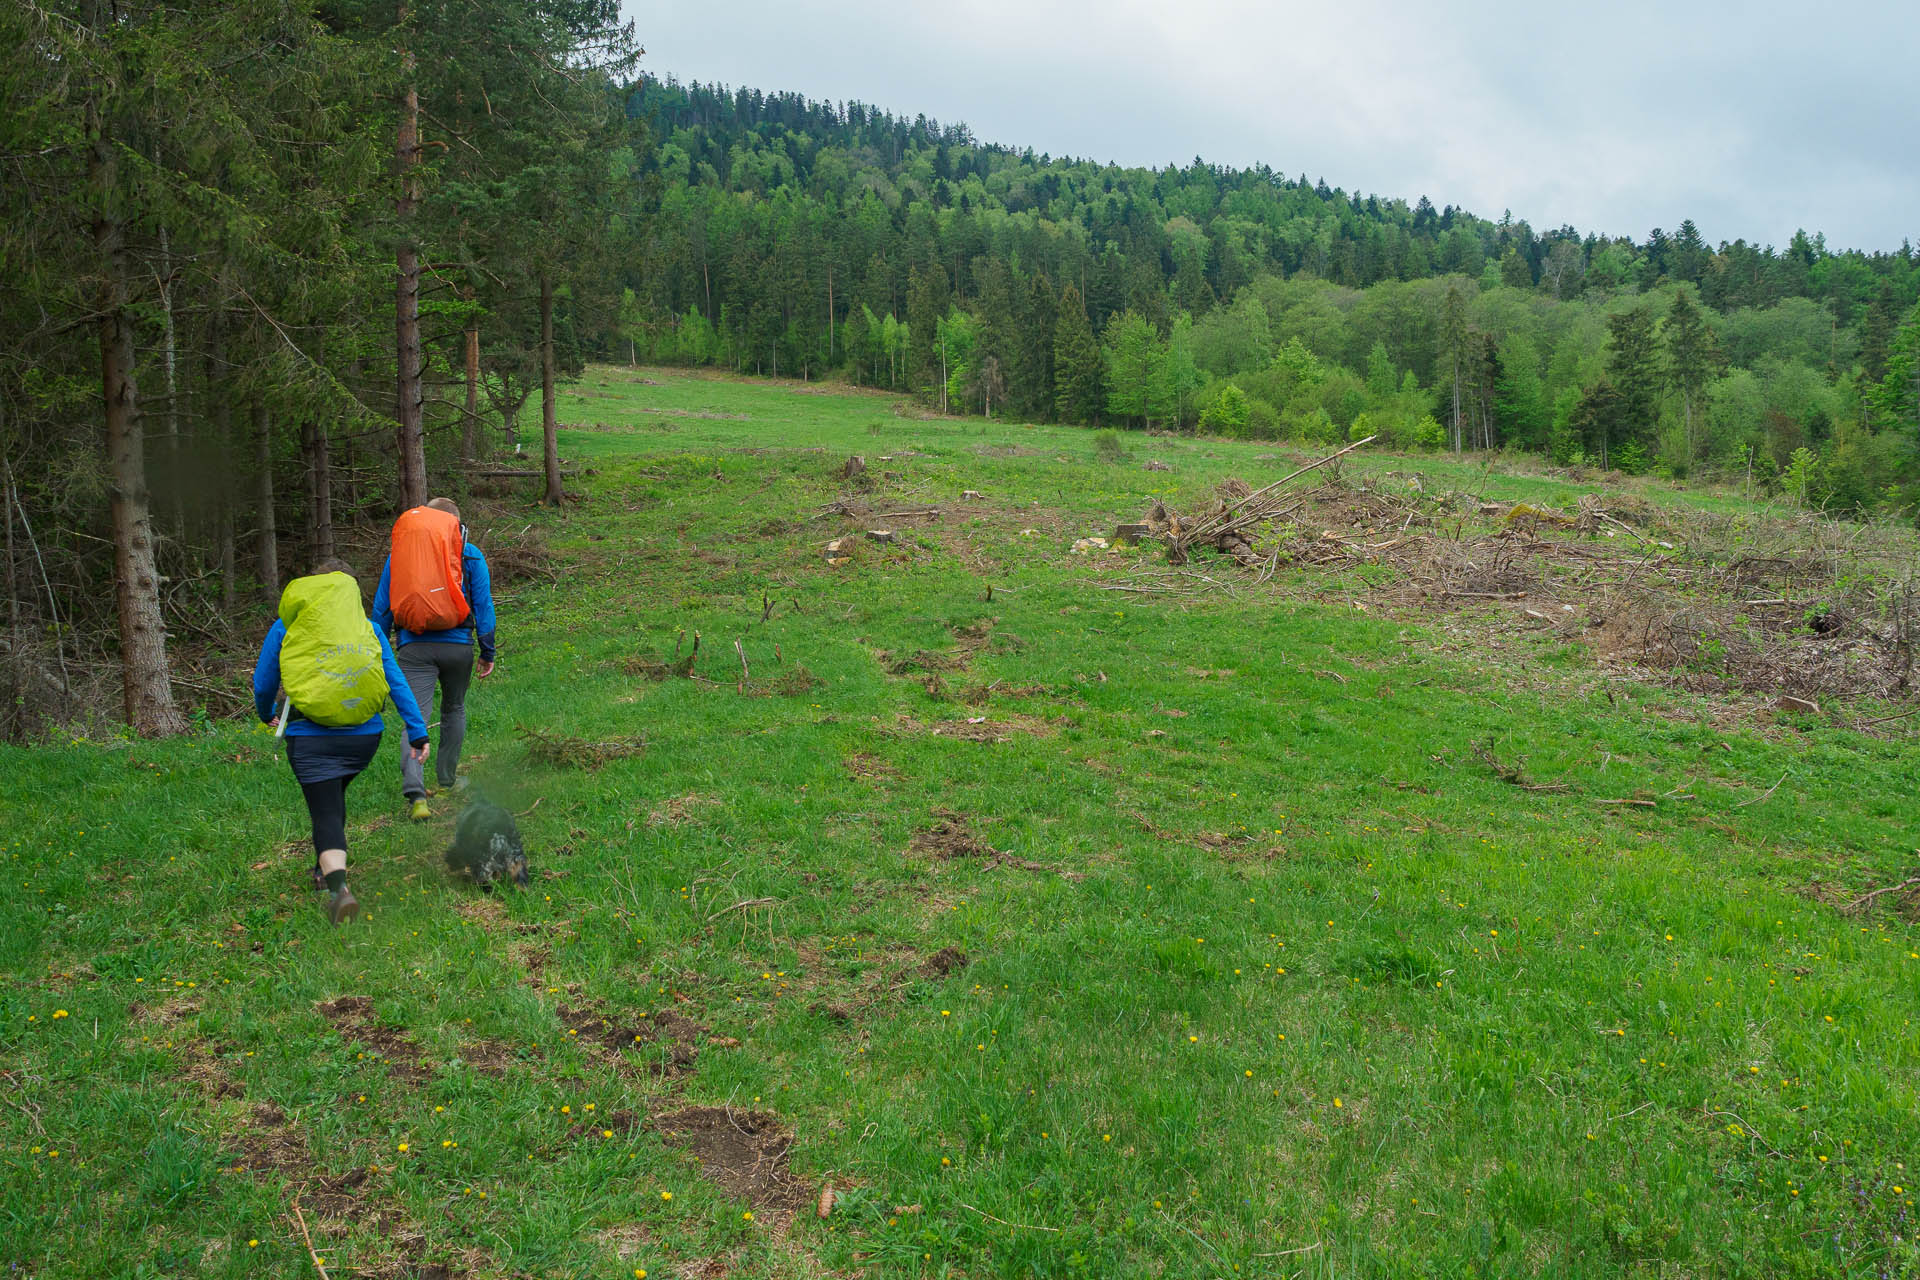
(606, 1133)
(403, 1147)
(666, 1195)
(747, 1216)
(1337, 1102)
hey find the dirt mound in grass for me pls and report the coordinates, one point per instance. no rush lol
(664, 1041)
(743, 1152)
(271, 1144)
(944, 961)
(950, 837)
(354, 1018)
(986, 728)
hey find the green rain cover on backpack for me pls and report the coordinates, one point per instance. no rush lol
(330, 662)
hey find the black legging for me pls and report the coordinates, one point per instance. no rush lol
(325, 765)
(327, 806)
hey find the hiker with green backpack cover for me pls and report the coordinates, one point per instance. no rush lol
(323, 676)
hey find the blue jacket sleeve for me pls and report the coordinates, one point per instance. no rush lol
(382, 602)
(400, 693)
(480, 598)
(266, 672)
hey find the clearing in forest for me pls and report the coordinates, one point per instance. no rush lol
(1476, 876)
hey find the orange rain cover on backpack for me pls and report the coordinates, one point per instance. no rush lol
(425, 586)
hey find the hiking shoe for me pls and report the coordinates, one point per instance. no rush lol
(420, 811)
(343, 907)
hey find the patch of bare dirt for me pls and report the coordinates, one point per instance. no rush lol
(943, 962)
(493, 1058)
(863, 764)
(269, 1144)
(743, 1152)
(981, 728)
(1229, 846)
(354, 1018)
(680, 810)
(664, 1042)
(199, 1064)
(951, 837)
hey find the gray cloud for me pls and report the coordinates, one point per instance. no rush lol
(1753, 119)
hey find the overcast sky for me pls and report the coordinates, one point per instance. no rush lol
(1751, 118)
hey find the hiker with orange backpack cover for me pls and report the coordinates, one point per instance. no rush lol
(436, 597)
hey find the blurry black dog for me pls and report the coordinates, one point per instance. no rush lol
(486, 844)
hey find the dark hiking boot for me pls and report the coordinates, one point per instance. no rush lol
(343, 907)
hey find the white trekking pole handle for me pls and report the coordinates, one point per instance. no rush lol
(286, 709)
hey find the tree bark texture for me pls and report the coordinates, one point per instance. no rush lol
(318, 455)
(145, 680)
(470, 445)
(549, 424)
(409, 435)
(269, 538)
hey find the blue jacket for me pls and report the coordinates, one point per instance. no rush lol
(475, 583)
(266, 683)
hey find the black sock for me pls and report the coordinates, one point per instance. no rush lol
(336, 881)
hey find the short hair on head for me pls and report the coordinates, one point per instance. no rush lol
(446, 505)
(334, 564)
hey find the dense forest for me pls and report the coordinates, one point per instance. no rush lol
(266, 268)
(270, 270)
(787, 236)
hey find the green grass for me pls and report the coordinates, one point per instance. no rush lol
(1271, 978)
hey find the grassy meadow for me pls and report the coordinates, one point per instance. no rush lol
(1067, 932)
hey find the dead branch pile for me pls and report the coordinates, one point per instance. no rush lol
(1787, 603)
(564, 752)
(1229, 524)
(517, 555)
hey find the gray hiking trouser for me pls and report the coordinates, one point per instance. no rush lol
(425, 664)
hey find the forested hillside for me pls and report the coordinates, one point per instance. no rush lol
(270, 271)
(787, 236)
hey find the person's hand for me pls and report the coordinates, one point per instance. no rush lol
(419, 753)
(484, 670)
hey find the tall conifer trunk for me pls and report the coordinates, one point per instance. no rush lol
(470, 442)
(409, 436)
(214, 452)
(317, 451)
(269, 544)
(145, 680)
(549, 425)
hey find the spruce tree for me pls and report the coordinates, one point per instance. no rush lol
(1076, 363)
(1633, 366)
(1692, 356)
